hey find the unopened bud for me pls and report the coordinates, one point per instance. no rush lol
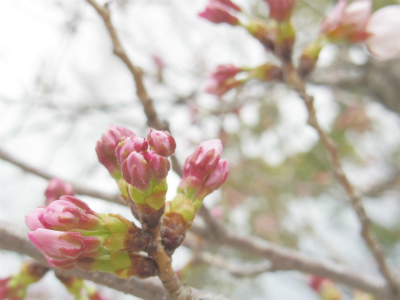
(136, 171)
(161, 142)
(56, 189)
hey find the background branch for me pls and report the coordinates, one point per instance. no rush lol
(298, 84)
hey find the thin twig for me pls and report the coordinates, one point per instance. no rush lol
(14, 239)
(298, 84)
(79, 189)
(147, 102)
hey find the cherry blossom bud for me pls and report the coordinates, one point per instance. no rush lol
(222, 79)
(130, 144)
(215, 179)
(56, 189)
(160, 165)
(60, 245)
(383, 32)
(105, 148)
(136, 171)
(218, 12)
(347, 22)
(15, 286)
(280, 10)
(161, 142)
(64, 214)
(199, 166)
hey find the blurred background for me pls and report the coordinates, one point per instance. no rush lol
(61, 88)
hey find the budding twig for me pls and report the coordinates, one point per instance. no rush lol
(292, 260)
(293, 80)
(14, 239)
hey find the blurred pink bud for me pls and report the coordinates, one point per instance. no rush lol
(161, 142)
(217, 12)
(56, 189)
(158, 61)
(316, 282)
(130, 144)
(217, 212)
(136, 171)
(65, 214)
(159, 164)
(347, 22)
(215, 179)
(4, 289)
(222, 79)
(105, 148)
(96, 296)
(201, 164)
(383, 32)
(280, 10)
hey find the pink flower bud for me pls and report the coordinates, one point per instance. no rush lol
(57, 244)
(217, 12)
(215, 179)
(64, 248)
(56, 189)
(161, 142)
(136, 171)
(316, 282)
(159, 164)
(65, 214)
(201, 164)
(222, 79)
(130, 144)
(347, 22)
(4, 289)
(105, 148)
(280, 10)
(383, 32)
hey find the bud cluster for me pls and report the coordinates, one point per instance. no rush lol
(67, 231)
(15, 286)
(79, 289)
(204, 171)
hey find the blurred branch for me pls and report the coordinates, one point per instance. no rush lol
(298, 84)
(14, 239)
(137, 73)
(287, 259)
(236, 269)
(79, 189)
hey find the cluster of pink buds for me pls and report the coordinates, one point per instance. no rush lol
(145, 166)
(204, 171)
(353, 23)
(68, 231)
(221, 11)
(15, 286)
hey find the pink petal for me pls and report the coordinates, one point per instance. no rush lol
(32, 218)
(383, 26)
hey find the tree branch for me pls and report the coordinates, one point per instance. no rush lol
(293, 80)
(147, 102)
(14, 239)
(79, 189)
